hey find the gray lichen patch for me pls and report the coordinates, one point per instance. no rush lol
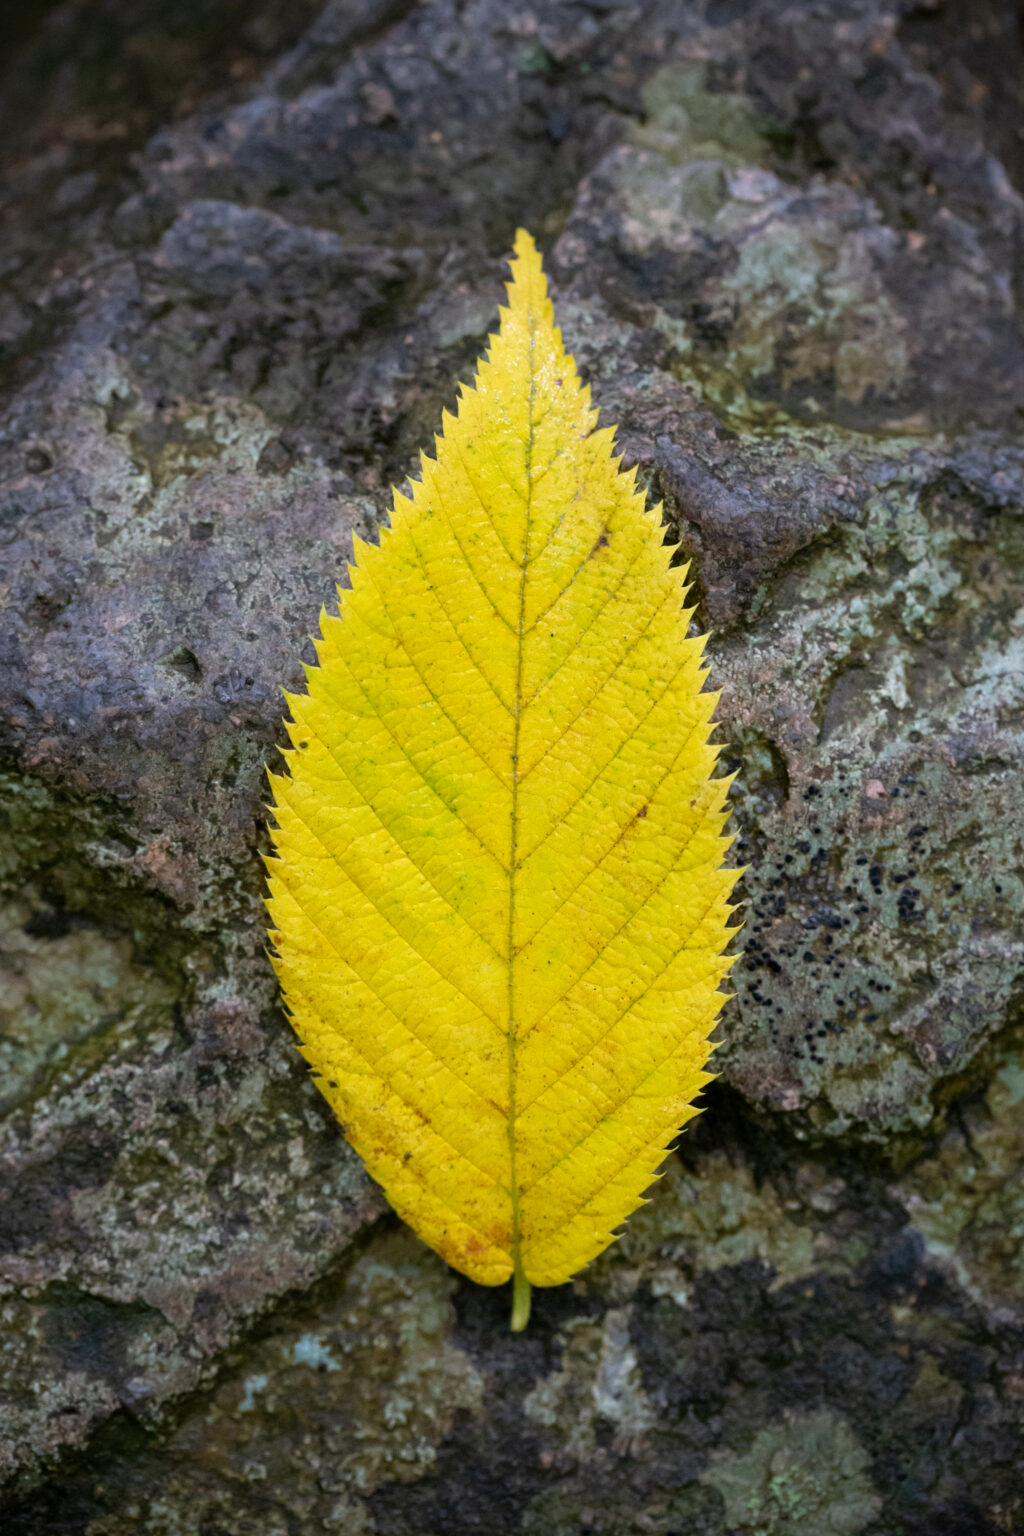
(598, 1383)
(876, 957)
(70, 1359)
(802, 307)
(791, 302)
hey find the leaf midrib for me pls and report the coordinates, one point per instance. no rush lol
(517, 1259)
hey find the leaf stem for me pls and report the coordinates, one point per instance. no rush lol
(520, 1301)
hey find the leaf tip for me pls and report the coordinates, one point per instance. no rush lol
(528, 289)
(525, 245)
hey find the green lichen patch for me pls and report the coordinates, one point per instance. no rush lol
(786, 303)
(807, 1476)
(711, 1215)
(574, 1504)
(68, 993)
(967, 1199)
(374, 1368)
(352, 1392)
(685, 121)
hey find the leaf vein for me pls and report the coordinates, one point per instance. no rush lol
(380, 1076)
(460, 733)
(601, 1038)
(436, 495)
(380, 718)
(654, 891)
(564, 514)
(390, 831)
(608, 1178)
(612, 846)
(623, 744)
(483, 501)
(594, 618)
(379, 911)
(457, 632)
(609, 677)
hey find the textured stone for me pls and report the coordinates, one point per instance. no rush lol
(246, 256)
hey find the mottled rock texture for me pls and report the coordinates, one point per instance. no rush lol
(247, 252)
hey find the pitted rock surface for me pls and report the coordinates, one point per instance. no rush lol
(247, 253)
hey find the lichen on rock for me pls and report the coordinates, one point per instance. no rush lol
(805, 1477)
(785, 243)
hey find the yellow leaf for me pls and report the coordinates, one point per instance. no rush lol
(498, 898)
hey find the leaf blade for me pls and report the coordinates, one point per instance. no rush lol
(499, 898)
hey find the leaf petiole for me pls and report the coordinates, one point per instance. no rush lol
(520, 1301)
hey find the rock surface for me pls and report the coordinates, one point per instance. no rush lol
(245, 262)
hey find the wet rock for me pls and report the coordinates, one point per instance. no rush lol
(786, 242)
